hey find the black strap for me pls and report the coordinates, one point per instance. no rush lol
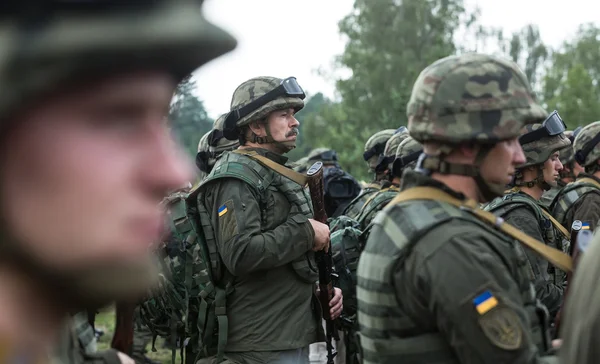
(375, 150)
(582, 154)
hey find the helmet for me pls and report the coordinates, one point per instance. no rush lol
(389, 151)
(471, 98)
(407, 154)
(538, 151)
(587, 144)
(322, 154)
(212, 145)
(301, 165)
(81, 38)
(567, 155)
(256, 98)
(375, 146)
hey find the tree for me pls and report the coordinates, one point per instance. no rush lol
(571, 83)
(188, 117)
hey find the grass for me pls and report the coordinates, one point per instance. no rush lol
(105, 321)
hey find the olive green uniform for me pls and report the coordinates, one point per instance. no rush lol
(548, 280)
(355, 206)
(424, 268)
(260, 234)
(375, 203)
(550, 195)
(578, 201)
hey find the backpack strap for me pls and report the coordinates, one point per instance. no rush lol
(299, 178)
(555, 256)
(591, 181)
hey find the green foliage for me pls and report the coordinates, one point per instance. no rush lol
(188, 117)
(571, 84)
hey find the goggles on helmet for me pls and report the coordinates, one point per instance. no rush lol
(575, 134)
(287, 88)
(401, 129)
(329, 155)
(377, 149)
(214, 137)
(401, 162)
(553, 125)
(582, 154)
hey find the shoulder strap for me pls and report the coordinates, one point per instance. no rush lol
(546, 214)
(299, 178)
(554, 256)
(591, 181)
(373, 185)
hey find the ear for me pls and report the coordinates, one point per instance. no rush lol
(257, 128)
(469, 150)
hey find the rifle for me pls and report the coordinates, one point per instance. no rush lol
(324, 259)
(580, 240)
(123, 337)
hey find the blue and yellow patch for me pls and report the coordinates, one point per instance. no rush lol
(585, 226)
(485, 302)
(222, 210)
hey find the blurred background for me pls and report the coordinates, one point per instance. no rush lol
(358, 59)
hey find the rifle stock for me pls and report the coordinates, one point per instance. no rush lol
(123, 336)
(579, 241)
(324, 259)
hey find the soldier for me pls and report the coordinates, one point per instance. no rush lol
(340, 187)
(300, 165)
(581, 200)
(261, 220)
(438, 281)
(373, 151)
(389, 188)
(87, 157)
(568, 174)
(212, 145)
(521, 207)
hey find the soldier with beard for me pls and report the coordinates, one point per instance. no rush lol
(86, 158)
(262, 230)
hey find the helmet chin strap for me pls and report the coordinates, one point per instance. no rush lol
(283, 147)
(539, 181)
(487, 191)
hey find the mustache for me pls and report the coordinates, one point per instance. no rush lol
(294, 131)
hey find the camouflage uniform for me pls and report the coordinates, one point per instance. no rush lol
(373, 151)
(436, 283)
(56, 45)
(260, 229)
(580, 200)
(530, 216)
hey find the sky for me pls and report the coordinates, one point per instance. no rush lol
(285, 38)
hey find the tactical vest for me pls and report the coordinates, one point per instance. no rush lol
(354, 207)
(388, 333)
(374, 204)
(564, 200)
(263, 180)
(502, 206)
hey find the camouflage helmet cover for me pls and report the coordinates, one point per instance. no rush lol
(256, 87)
(584, 137)
(164, 35)
(409, 146)
(377, 140)
(322, 154)
(223, 143)
(203, 143)
(538, 152)
(471, 98)
(392, 144)
(567, 155)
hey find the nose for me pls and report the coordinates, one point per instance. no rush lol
(559, 165)
(519, 156)
(294, 122)
(167, 166)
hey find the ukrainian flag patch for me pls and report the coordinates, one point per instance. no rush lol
(485, 302)
(222, 210)
(585, 226)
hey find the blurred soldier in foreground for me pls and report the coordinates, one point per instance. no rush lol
(580, 200)
(521, 208)
(438, 281)
(262, 235)
(340, 187)
(568, 174)
(87, 157)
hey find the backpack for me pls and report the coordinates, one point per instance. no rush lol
(183, 307)
(340, 188)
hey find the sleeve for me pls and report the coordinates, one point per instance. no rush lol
(587, 209)
(243, 246)
(548, 292)
(477, 304)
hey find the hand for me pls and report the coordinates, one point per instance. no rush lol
(321, 240)
(336, 305)
(125, 359)
(556, 344)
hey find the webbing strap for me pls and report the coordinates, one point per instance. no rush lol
(554, 256)
(221, 312)
(299, 178)
(391, 188)
(589, 180)
(373, 185)
(564, 232)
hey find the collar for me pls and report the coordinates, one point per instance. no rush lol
(413, 178)
(277, 158)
